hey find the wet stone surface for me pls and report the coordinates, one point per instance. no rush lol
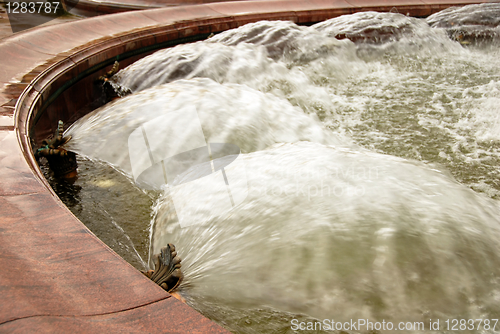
(115, 210)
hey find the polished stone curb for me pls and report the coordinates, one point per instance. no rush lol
(56, 275)
(93, 8)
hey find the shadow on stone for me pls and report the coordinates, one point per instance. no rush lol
(28, 14)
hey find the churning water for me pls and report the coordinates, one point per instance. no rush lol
(371, 153)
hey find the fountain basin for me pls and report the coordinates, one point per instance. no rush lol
(57, 273)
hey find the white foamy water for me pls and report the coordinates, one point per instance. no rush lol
(231, 114)
(208, 60)
(263, 62)
(402, 225)
(332, 232)
(486, 14)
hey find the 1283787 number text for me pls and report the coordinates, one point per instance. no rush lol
(39, 7)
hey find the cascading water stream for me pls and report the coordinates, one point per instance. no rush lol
(349, 152)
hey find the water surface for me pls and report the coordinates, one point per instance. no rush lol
(371, 147)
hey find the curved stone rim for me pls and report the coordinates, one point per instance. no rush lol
(38, 228)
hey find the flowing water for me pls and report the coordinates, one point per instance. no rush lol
(370, 155)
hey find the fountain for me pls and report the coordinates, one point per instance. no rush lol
(422, 215)
(329, 228)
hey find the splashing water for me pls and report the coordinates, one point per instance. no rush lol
(378, 229)
(228, 113)
(476, 24)
(335, 232)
